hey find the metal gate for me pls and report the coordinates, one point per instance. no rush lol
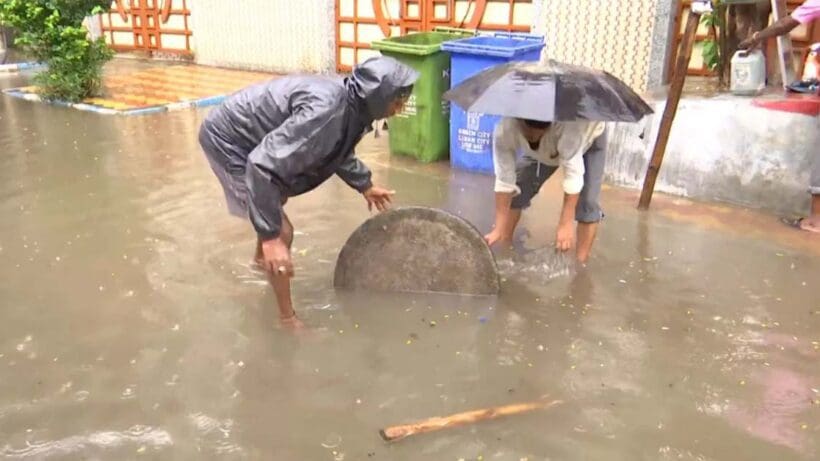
(359, 22)
(148, 25)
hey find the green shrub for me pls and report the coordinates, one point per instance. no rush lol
(52, 31)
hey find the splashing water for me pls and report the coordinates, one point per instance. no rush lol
(538, 265)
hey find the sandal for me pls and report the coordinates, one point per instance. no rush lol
(796, 223)
(792, 222)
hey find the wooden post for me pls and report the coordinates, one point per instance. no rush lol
(672, 100)
(785, 54)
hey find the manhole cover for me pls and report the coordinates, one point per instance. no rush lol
(417, 249)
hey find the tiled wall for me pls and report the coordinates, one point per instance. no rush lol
(627, 38)
(273, 35)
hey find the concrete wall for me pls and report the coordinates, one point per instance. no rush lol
(271, 35)
(723, 149)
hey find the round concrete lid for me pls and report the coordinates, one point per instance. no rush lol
(417, 249)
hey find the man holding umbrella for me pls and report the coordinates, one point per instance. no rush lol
(553, 115)
(578, 148)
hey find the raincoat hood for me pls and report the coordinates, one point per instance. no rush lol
(376, 83)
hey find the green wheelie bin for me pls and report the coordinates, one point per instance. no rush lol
(422, 130)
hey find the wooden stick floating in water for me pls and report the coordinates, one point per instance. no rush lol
(394, 433)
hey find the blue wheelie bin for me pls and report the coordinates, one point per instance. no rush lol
(471, 133)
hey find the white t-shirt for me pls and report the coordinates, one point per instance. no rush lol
(564, 145)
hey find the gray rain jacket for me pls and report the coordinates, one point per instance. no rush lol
(289, 135)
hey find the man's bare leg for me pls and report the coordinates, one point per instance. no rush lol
(506, 218)
(812, 223)
(509, 230)
(586, 237)
(281, 283)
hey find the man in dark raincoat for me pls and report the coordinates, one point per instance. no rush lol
(285, 137)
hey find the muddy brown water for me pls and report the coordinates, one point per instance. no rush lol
(133, 327)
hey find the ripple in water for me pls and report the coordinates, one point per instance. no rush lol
(136, 435)
(538, 266)
(215, 434)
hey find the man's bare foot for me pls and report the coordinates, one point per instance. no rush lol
(497, 237)
(292, 323)
(810, 224)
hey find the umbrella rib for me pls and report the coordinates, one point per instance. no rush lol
(644, 108)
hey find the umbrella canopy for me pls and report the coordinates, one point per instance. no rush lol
(549, 92)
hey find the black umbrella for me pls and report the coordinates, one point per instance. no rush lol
(549, 92)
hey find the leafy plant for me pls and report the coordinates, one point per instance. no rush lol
(711, 54)
(52, 31)
(715, 48)
(711, 48)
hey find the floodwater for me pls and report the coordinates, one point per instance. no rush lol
(133, 327)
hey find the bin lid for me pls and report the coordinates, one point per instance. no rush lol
(420, 43)
(500, 45)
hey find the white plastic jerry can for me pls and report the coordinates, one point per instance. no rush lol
(748, 72)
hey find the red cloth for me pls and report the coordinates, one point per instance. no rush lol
(805, 104)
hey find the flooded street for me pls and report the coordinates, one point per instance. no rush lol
(132, 325)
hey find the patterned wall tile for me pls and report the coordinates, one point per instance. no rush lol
(613, 35)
